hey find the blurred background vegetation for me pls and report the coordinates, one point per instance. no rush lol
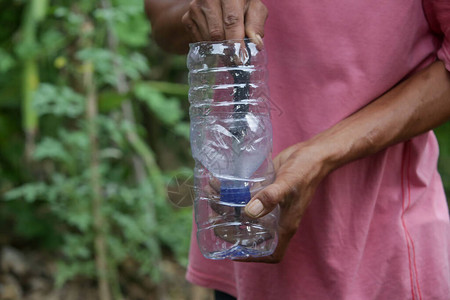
(93, 131)
(95, 165)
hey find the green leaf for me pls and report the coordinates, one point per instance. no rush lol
(137, 24)
(52, 40)
(106, 63)
(117, 248)
(50, 148)
(133, 65)
(59, 101)
(75, 141)
(110, 100)
(80, 219)
(183, 129)
(113, 130)
(6, 61)
(71, 269)
(174, 232)
(61, 12)
(126, 18)
(168, 110)
(30, 192)
(103, 61)
(129, 226)
(76, 247)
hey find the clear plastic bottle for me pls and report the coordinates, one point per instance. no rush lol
(231, 142)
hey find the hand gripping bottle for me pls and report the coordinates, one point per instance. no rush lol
(231, 142)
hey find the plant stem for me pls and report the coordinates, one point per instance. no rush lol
(35, 12)
(97, 200)
(96, 181)
(30, 119)
(144, 151)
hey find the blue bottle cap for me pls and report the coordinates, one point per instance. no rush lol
(235, 195)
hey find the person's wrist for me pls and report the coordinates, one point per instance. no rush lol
(326, 154)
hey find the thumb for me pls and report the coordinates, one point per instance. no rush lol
(267, 199)
(255, 18)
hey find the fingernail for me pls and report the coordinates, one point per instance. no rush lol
(259, 41)
(255, 208)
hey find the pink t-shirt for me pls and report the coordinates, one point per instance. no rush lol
(377, 228)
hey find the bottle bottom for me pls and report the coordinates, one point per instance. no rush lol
(236, 252)
(238, 236)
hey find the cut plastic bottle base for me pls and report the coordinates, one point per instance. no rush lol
(237, 252)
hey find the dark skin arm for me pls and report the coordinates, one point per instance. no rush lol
(418, 104)
(415, 106)
(168, 31)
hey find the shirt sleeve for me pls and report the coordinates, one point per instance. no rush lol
(438, 16)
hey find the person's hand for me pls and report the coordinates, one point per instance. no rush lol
(216, 20)
(299, 169)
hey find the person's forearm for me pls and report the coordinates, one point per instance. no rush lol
(167, 29)
(413, 107)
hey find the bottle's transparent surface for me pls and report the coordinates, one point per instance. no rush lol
(231, 141)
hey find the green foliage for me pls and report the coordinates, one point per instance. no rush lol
(443, 135)
(28, 192)
(168, 109)
(58, 101)
(171, 235)
(104, 64)
(49, 199)
(6, 61)
(127, 17)
(110, 100)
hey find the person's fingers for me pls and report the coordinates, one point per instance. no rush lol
(211, 192)
(226, 19)
(212, 11)
(197, 16)
(191, 27)
(255, 18)
(233, 19)
(283, 156)
(214, 183)
(267, 199)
